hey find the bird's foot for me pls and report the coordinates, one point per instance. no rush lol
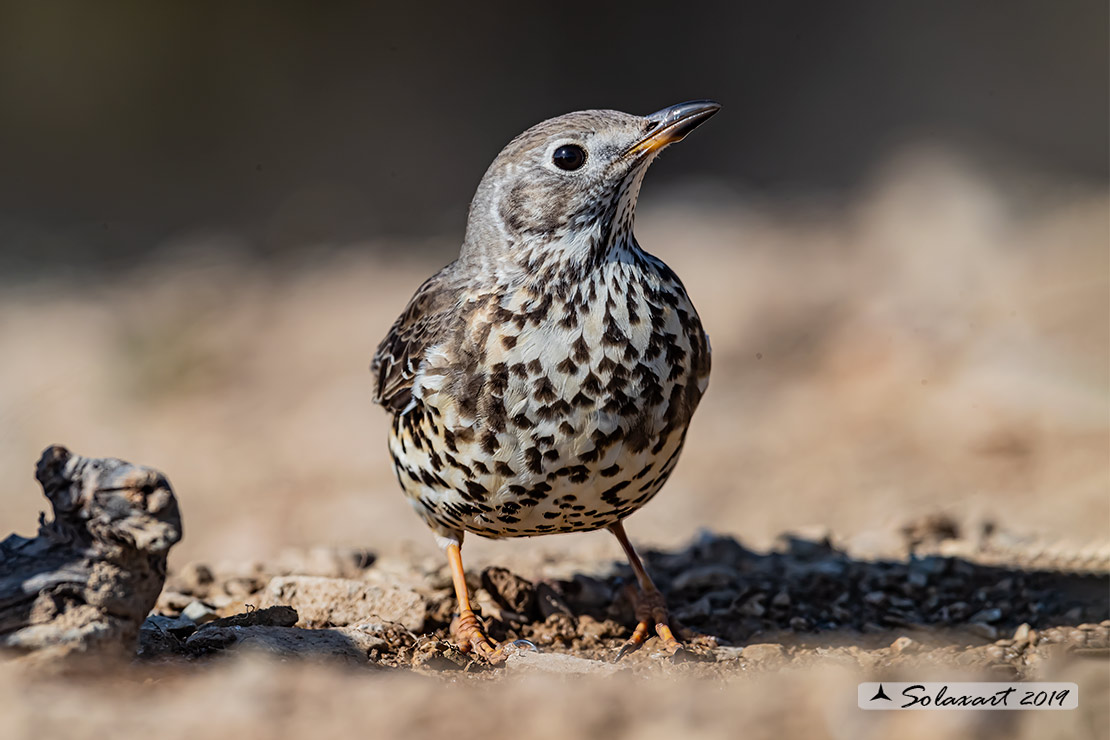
(470, 637)
(651, 609)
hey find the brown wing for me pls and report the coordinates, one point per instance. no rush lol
(419, 327)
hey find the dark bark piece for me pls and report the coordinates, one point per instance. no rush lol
(93, 573)
(510, 591)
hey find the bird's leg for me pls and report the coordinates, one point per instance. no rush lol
(469, 632)
(650, 607)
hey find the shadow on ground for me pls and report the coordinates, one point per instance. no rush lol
(804, 595)
(806, 588)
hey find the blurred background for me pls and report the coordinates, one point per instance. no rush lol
(896, 233)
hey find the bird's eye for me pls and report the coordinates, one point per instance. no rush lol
(569, 157)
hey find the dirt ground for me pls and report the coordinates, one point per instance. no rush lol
(334, 643)
(900, 471)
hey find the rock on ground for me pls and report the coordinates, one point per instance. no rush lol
(341, 601)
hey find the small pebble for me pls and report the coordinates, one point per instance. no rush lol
(199, 613)
(752, 607)
(987, 615)
(762, 652)
(695, 612)
(706, 577)
(729, 652)
(983, 629)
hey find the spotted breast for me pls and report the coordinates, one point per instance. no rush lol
(554, 413)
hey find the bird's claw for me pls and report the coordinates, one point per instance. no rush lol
(472, 638)
(650, 610)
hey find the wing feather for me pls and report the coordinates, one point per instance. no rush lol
(419, 327)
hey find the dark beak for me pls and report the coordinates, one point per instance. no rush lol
(672, 124)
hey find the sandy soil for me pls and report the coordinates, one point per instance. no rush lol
(365, 647)
(922, 371)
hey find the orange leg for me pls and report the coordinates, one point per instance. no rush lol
(469, 632)
(651, 608)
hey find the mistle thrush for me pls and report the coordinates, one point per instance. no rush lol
(543, 382)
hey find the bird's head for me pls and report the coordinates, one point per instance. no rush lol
(565, 190)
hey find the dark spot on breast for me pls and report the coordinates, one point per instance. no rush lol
(449, 440)
(581, 400)
(610, 471)
(533, 460)
(475, 491)
(613, 336)
(560, 408)
(544, 390)
(494, 413)
(610, 496)
(567, 367)
(581, 350)
(467, 389)
(579, 473)
(538, 312)
(591, 384)
(604, 441)
(675, 354)
(490, 443)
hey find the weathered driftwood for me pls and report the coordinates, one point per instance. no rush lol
(92, 574)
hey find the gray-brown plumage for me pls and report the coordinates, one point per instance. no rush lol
(544, 381)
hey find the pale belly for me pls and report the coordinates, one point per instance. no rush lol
(554, 425)
(577, 496)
